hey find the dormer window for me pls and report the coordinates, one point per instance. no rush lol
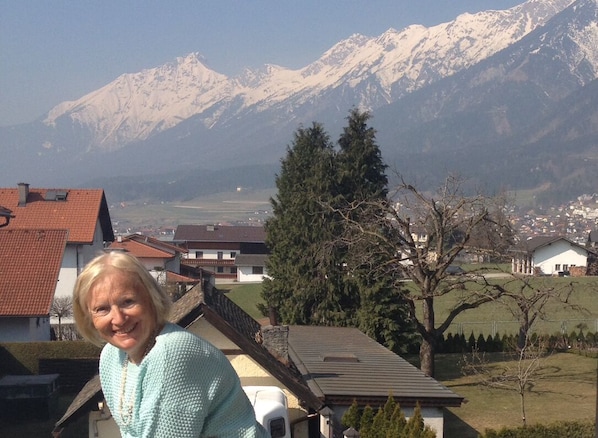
(56, 195)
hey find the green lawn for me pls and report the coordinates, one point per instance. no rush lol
(245, 295)
(487, 319)
(565, 390)
(495, 317)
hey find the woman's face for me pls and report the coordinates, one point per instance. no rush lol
(122, 312)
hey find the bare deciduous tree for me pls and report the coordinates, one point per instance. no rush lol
(527, 299)
(519, 371)
(417, 236)
(62, 307)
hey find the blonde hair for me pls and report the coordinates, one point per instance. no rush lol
(102, 266)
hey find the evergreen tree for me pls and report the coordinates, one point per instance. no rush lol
(415, 426)
(304, 287)
(497, 342)
(471, 342)
(389, 407)
(398, 422)
(351, 416)
(382, 312)
(367, 420)
(481, 343)
(361, 168)
(449, 344)
(379, 425)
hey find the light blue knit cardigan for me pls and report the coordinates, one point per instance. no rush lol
(185, 387)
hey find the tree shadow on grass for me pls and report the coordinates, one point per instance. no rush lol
(455, 427)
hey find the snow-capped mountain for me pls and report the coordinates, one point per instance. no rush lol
(383, 69)
(505, 97)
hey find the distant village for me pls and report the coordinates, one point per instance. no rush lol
(574, 221)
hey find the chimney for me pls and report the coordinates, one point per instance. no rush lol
(23, 193)
(276, 340)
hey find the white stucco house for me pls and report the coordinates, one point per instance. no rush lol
(548, 255)
(251, 268)
(215, 248)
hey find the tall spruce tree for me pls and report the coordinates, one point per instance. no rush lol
(361, 170)
(305, 287)
(362, 182)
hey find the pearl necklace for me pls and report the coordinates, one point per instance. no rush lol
(126, 413)
(125, 407)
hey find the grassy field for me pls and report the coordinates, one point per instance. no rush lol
(564, 390)
(243, 206)
(495, 317)
(488, 318)
(244, 295)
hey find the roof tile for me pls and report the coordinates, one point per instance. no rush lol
(30, 263)
(78, 213)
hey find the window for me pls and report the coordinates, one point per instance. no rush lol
(557, 267)
(277, 427)
(220, 269)
(220, 255)
(233, 270)
(565, 267)
(233, 254)
(199, 254)
(257, 270)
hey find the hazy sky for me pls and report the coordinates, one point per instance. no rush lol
(57, 50)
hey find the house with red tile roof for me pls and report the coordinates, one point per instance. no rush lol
(155, 254)
(215, 248)
(82, 213)
(30, 264)
(162, 260)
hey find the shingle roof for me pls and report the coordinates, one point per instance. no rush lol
(533, 244)
(345, 364)
(30, 262)
(219, 233)
(78, 212)
(251, 259)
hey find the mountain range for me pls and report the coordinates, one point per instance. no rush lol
(508, 99)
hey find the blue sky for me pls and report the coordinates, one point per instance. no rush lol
(52, 51)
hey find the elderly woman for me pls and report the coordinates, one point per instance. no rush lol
(158, 379)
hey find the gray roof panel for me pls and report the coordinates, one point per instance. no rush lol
(346, 363)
